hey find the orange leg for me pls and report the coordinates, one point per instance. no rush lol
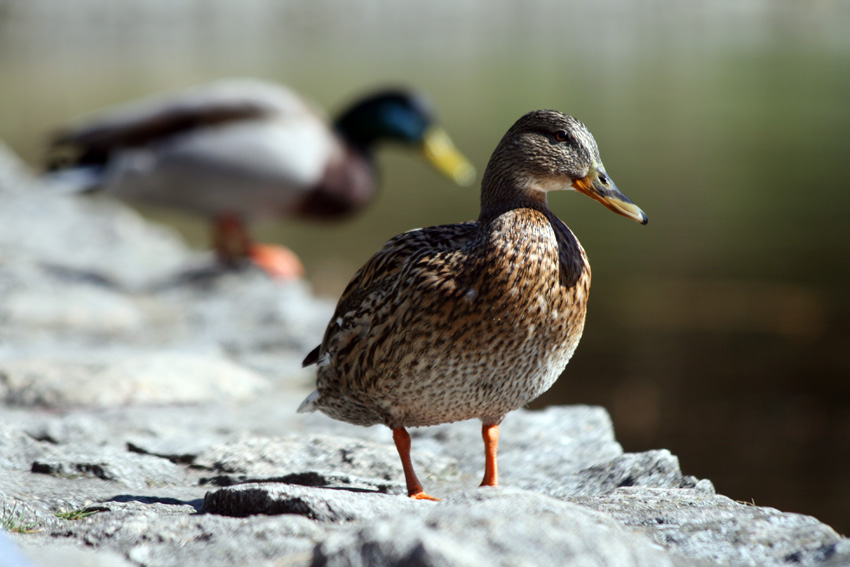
(233, 243)
(490, 433)
(414, 487)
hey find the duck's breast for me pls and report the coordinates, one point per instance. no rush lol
(474, 332)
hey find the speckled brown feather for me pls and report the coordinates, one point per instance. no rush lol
(456, 322)
(471, 320)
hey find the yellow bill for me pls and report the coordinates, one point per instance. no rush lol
(443, 155)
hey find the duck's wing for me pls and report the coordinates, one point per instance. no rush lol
(376, 283)
(159, 117)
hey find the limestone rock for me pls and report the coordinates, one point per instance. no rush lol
(98, 237)
(704, 525)
(17, 449)
(322, 504)
(65, 554)
(128, 469)
(498, 527)
(276, 456)
(130, 379)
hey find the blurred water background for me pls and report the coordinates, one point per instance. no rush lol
(720, 331)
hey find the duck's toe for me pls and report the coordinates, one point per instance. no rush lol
(422, 495)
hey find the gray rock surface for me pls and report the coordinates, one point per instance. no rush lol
(676, 519)
(325, 504)
(115, 380)
(147, 418)
(525, 528)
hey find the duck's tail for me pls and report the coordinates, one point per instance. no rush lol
(310, 403)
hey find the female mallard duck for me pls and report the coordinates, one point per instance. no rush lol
(241, 149)
(470, 320)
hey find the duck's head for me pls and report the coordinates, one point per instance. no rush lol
(547, 150)
(404, 117)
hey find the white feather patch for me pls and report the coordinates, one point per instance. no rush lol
(324, 360)
(551, 184)
(310, 403)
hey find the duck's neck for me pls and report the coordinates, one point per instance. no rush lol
(359, 141)
(504, 189)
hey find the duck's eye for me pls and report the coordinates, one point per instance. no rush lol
(561, 136)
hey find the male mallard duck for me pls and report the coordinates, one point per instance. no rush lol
(241, 149)
(476, 319)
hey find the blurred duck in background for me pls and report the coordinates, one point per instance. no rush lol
(243, 150)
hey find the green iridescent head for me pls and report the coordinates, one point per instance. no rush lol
(404, 117)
